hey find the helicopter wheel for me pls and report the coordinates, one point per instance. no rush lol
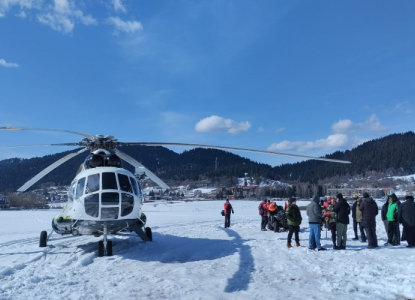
(109, 248)
(149, 234)
(43, 239)
(100, 249)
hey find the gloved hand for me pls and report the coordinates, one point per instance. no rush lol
(232, 211)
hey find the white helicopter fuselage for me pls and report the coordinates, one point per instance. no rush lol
(101, 196)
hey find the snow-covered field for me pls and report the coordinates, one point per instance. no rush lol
(194, 257)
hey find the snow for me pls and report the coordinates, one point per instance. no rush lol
(193, 257)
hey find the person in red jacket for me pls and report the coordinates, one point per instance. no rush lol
(228, 209)
(263, 212)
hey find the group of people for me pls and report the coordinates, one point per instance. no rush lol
(334, 214)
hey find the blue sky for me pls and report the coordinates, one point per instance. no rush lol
(303, 77)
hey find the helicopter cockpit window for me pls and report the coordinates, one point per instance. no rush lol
(110, 198)
(80, 188)
(127, 204)
(92, 184)
(91, 203)
(108, 181)
(71, 192)
(135, 186)
(125, 184)
(110, 213)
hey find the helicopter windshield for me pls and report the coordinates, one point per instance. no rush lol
(92, 184)
(80, 188)
(108, 196)
(125, 184)
(108, 181)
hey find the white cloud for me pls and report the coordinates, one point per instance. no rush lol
(64, 15)
(22, 14)
(125, 26)
(118, 6)
(260, 129)
(279, 130)
(24, 4)
(346, 126)
(331, 142)
(219, 124)
(400, 107)
(6, 64)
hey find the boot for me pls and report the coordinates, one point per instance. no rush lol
(289, 245)
(297, 244)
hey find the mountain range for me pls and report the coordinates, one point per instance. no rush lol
(391, 155)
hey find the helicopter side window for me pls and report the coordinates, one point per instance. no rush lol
(110, 199)
(108, 181)
(92, 184)
(125, 184)
(135, 186)
(71, 192)
(91, 203)
(127, 204)
(80, 188)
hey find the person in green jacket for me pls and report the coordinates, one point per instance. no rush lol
(293, 220)
(391, 216)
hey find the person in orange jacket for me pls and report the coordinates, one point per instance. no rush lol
(228, 209)
(263, 212)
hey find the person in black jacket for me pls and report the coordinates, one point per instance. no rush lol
(406, 216)
(370, 209)
(342, 209)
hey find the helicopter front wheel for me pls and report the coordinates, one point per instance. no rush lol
(100, 248)
(149, 234)
(43, 239)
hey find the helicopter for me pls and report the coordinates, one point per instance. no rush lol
(104, 198)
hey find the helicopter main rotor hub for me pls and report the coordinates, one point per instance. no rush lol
(99, 142)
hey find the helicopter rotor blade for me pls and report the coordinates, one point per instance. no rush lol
(44, 172)
(235, 149)
(138, 165)
(90, 136)
(41, 145)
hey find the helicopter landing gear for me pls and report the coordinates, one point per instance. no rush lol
(149, 234)
(43, 239)
(105, 245)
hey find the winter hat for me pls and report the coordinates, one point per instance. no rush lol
(291, 200)
(409, 197)
(339, 196)
(316, 199)
(365, 195)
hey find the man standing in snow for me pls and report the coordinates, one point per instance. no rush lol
(357, 219)
(390, 213)
(369, 209)
(406, 216)
(228, 209)
(314, 221)
(392, 217)
(263, 212)
(342, 209)
(294, 220)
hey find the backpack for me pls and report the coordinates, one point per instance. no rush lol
(222, 213)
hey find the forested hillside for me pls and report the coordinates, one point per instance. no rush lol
(393, 155)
